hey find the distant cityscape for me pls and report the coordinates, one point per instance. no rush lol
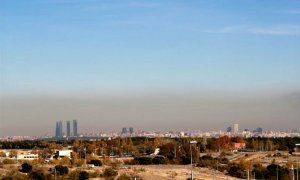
(72, 133)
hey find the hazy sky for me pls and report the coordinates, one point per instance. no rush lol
(153, 65)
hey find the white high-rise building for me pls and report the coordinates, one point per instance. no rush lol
(235, 128)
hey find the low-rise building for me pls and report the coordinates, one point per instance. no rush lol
(26, 155)
(63, 153)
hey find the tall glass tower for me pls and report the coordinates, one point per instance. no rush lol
(68, 128)
(75, 133)
(59, 129)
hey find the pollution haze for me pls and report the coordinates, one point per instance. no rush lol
(152, 65)
(37, 115)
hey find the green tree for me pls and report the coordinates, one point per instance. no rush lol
(272, 169)
(143, 160)
(159, 160)
(83, 175)
(37, 175)
(26, 167)
(61, 170)
(96, 162)
(259, 170)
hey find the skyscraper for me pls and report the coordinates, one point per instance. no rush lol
(131, 130)
(229, 129)
(59, 129)
(235, 128)
(61, 132)
(258, 130)
(124, 130)
(68, 128)
(75, 133)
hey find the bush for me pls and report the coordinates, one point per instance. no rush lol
(79, 162)
(109, 172)
(143, 160)
(15, 175)
(236, 171)
(159, 160)
(26, 168)
(94, 174)
(185, 160)
(206, 157)
(37, 175)
(124, 177)
(224, 161)
(83, 175)
(96, 162)
(7, 178)
(277, 155)
(259, 171)
(116, 164)
(61, 170)
(74, 174)
(8, 161)
(271, 173)
(209, 161)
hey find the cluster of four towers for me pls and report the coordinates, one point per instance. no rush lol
(59, 129)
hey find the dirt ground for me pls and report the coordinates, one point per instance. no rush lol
(170, 172)
(151, 172)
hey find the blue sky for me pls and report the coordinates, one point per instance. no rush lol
(61, 47)
(172, 59)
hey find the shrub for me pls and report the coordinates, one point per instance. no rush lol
(8, 161)
(109, 172)
(185, 160)
(143, 160)
(277, 155)
(37, 175)
(124, 177)
(236, 171)
(259, 170)
(74, 174)
(271, 173)
(94, 174)
(15, 175)
(159, 160)
(61, 170)
(96, 162)
(106, 161)
(79, 162)
(83, 175)
(224, 160)
(26, 168)
(116, 164)
(65, 161)
(209, 161)
(206, 157)
(7, 178)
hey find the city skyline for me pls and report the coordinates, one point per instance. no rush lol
(149, 113)
(159, 65)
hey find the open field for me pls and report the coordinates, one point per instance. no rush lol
(168, 172)
(151, 172)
